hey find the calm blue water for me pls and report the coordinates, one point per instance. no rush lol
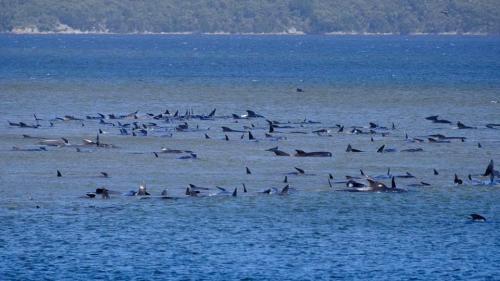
(314, 232)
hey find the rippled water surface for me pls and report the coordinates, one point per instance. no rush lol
(50, 231)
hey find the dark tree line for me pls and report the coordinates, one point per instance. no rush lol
(257, 16)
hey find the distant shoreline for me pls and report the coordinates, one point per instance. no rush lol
(247, 33)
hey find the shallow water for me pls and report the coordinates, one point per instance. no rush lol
(314, 233)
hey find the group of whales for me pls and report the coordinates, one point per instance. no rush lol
(136, 125)
(364, 183)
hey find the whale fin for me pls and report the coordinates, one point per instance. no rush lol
(212, 113)
(250, 136)
(244, 188)
(221, 188)
(330, 176)
(393, 183)
(330, 183)
(207, 137)
(285, 190)
(59, 174)
(381, 149)
(248, 171)
(235, 192)
(436, 172)
(489, 169)
(299, 170)
(285, 180)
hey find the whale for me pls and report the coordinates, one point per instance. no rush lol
(412, 150)
(350, 149)
(227, 129)
(301, 153)
(278, 152)
(460, 125)
(382, 149)
(477, 218)
(40, 148)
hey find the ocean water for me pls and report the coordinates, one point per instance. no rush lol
(51, 232)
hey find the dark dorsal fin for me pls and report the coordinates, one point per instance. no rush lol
(248, 171)
(212, 113)
(227, 138)
(469, 177)
(104, 174)
(65, 140)
(330, 183)
(349, 148)
(300, 152)
(206, 136)
(479, 145)
(250, 136)
(362, 173)
(388, 171)
(436, 172)
(299, 170)
(244, 188)
(235, 192)
(156, 154)
(489, 169)
(381, 149)
(285, 189)
(285, 180)
(59, 174)
(393, 183)
(371, 139)
(221, 188)
(341, 129)
(330, 176)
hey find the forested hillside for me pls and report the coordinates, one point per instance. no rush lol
(253, 16)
